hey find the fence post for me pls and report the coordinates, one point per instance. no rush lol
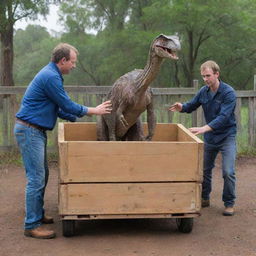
(252, 117)
(196, 115)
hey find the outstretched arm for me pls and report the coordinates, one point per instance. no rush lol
(103, 108)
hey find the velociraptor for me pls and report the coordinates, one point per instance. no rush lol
(131, 95)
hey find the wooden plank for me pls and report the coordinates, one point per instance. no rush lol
(185, 135)
(163, 132)
(131, 161)
(90, 89)
(62, 198)
(129, 198)
(61, 137)
(238, 113)
(80, 131)
(5, 122)
(200, 162)
(130, 216)
(63, 161)
(86, 131)
(252, 122)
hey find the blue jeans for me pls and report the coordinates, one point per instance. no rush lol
(32, 144)
(228, 152)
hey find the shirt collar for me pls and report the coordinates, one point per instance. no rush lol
(54, 66)
(220, 89)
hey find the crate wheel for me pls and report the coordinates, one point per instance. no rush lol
(68, 227)
(185, 225)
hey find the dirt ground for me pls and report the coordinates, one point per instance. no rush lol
(213, 234)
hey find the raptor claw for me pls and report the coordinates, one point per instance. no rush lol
(123, 121)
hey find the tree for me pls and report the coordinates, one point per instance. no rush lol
(32, 50)
(79, 15)
(208, 29)
(121, 33)
(10, 12)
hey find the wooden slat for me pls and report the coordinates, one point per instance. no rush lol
(5, 124)
(80, 131)
(121, 162)
(105, 89)
(61, 137)
(252, 122)
(86, 131)
(238, 113)
(129, 198)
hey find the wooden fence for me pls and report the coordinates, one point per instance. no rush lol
(10, 98)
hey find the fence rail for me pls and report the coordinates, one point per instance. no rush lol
(10, 98)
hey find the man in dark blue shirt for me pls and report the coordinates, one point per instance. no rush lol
(44, 100)
(218, 101)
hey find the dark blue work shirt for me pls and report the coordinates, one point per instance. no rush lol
(45, 99)
(219, 111)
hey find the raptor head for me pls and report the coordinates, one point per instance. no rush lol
(166, 46)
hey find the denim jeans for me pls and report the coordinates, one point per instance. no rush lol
(228, 152)
(32, 144)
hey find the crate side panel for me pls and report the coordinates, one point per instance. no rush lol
(124, 162)
(80, 131)
(183, 134)
(130, 198)
(163, 132)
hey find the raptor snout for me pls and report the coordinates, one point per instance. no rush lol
(167, 46)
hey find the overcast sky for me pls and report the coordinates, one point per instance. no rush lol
(50, 22)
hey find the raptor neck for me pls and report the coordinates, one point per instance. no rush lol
(150, 72)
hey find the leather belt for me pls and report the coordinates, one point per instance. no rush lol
(40, 128)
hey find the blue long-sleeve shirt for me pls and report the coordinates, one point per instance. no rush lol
(45, 99)
(219, 111)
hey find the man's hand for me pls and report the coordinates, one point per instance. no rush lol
(177, 106)
(103, 108)
(200, 130)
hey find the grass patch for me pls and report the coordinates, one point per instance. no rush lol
(14, 158)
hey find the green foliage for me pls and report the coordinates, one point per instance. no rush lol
(33, 48)
(123, 30)
(13, 10)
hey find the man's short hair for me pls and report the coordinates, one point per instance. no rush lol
(211, 65)
(62, 50)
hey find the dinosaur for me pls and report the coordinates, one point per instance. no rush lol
(131, 96)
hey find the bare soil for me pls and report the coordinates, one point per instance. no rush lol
(213, 234)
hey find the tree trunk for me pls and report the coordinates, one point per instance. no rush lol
(6, 79)
(6, 74)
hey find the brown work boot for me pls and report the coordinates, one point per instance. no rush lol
(229, 211)
(205, 203)
(47, 220)
(40, 233)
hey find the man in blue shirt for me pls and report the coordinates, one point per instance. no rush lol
(44, 100)
(218, 101)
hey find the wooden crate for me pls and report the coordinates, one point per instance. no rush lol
(106, 179)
